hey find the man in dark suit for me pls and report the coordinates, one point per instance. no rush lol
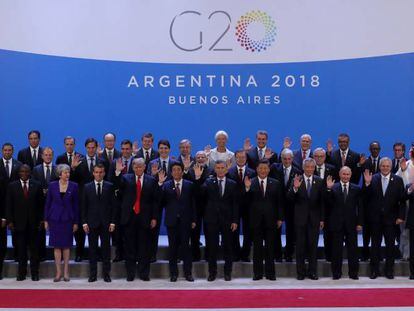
(410, 225)
(261, 151)
(237, 173)
(180, 218)
(266, 215)
(399, 154)
(185, 156)
(9, 172)
(147, 151)
(139, 215)
(323, 170)
(24, 214)
(68, 156)
(109, 153)
(285, 172)
(98, 219)
(385, 197)
(307, 193)
(344, 221)
(345, 157)
(83, 171)
(31, 155)
(44, 173)
(221, 216)
(304, 152)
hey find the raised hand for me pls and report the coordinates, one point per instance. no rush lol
(99, 150)
(198, 171)
(187, 163)
(233, 227)
(247, 144)
(287, 142)
(268, 153)
(119, 165)
(362, 159)
(399, 221)
(76, 160)
(154, 169)
(228, 162)
(403, 164)
(297, 181)
(207, 150)
(247, 182)
(367, 177)
(162, 176)
(329, 146)
(329, 182)
(135, 147)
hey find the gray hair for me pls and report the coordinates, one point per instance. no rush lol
(185, 141)
(61, 168)
(306, 136)
(138, 161)
(308, 160)
(221, 132)
(384, 159)
(200, 152)
(262, 132)
(286, 151)
(319, 150)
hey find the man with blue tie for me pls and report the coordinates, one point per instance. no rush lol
(180, 218)
(385, 197)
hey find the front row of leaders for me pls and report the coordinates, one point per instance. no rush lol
(144, 197)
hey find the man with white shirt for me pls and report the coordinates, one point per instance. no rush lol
(385, 197)
(31, 155)
(304, 152)
(147, 151)
(266, 216)
(109, 152)
(69, 155)
(399, 154)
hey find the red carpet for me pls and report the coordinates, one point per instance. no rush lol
(383, 297)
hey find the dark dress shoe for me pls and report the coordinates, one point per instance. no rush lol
(211, 278)
(336, 277)
(227, 277)
(313, 277)
(288, 259)
(20, 278)
(279, 259)
(257, 277)
(130, 278)
(92, 279)
(153, 259)
(35, 277)
(107, 278)
(411, 277)
(78, 259)
(144, 278)
(173, 278)
(66, 279)
(300, 277)
(57, 279)
(245, 259)
(189, 278)
(373, 275)
(354, 277)
(271, 277)
(118, 259)
(1, 276)
(389, 276)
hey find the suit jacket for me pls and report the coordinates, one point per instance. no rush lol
(385, 208)
(297, 158)
(395, 167)
(25, 156)
(269, 207)
(369, 165)
(233, 173)
(158, 161)
(115, 155)
(39, 175)
(63, 158)
(14, 175)
(112, 168)
(154, 155)
(410, 215)
(64, 209)
(253, 158)
(352, 161)
(220, 209)
(182, 207)
(82, 175)
(309, 209)
(330, 170)
(98, 211)
(150, 194)
(21, 211)
(345, 213)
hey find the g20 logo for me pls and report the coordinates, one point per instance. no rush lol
(242, 32)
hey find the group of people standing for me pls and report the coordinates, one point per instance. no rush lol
(124, 195)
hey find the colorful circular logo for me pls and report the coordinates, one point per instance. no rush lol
(269, 31)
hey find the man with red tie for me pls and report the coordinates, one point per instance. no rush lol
(139, 215)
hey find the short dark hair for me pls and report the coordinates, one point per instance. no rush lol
(344, 135)
(34, 132)
(91, 140)
(176, 163)
(126, 142)
(7, 144)
(147, 135)
(400, 144)
(264, 161)
(69, 137)
(375, 142)
(220, 162)
(164, 142)
(99, 165)
(239, 151)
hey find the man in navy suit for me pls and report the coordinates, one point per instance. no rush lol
(31, 155)
(98, 219)
(261, 151)
(285, 172)
(304, 152)
(345, 219)
(69, 154)
(180, 218)
(221, 216)
(44, 173)
(24, 214)
(308, 194)
(139, 215)
(385, 197)
(147, 151)
(266, 216)
(399, 155)
(238, 173)
(109, 153)
(185, 156)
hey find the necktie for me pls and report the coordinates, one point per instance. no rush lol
(303, 155)
(308, 186)
(177, 189)
(384, 185)
(374, 166)
(147, 157)
(110, 156)
(345, 192)
(260, 153)
(164, 166)
(241, 174)
(397, 164)
(319, 171)
(99, 190)
(221, 187)
(343, 158)
(25, 190)
(7, 169)
(137, 205)
(47, 174)
(70, 159)
(286, 176)
(34, 157)
(125, 169)
(262, 188)
(91, 164)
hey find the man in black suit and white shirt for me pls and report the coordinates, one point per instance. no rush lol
(109, 153)
(69, 154)
(31, 155)
(147, 151)
(260, 152)
(399, 154)
(304, 152)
